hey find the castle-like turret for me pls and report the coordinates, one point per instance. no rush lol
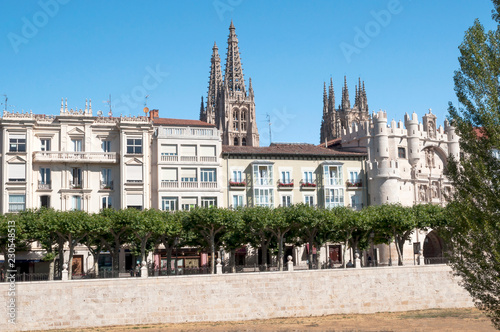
(453, 140)
(413, 133)
(381, 140)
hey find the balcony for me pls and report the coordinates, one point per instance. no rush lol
(287, 185)
(169, 184)
(75, 185)
(106, 185)
(354, 185)
(307, 185)
(169, 158)
(82, 157)
(44, 185)
(237, 185)
(190, 159)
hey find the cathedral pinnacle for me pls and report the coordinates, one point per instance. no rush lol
(233, 78)
(346, 103)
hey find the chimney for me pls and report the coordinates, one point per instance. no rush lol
(153, 114)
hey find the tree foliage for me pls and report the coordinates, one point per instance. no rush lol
(473, 236)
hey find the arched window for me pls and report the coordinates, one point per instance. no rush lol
(235, 120)
(236, 141)
(244, 141)
(243, 120)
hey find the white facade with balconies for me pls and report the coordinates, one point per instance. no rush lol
(74, 161)
(186, 168)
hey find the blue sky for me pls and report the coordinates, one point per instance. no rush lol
(406, 53)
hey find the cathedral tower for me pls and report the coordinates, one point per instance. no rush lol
(335, 120)
(230, 106)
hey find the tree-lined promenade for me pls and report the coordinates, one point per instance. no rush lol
(211, 229)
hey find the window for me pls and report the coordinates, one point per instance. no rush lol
(208, 201)
(76, 174)
(355, 202)
(76, 202)
(134, 173)
(106, 182)
(263, 197)
(77, 145)
(244, 141)
(17, 172)
(243, 121)
(169, 174)
(17, 143)
(188, 175)
(333, 175)
(334, 197)
(236, 142)
(168, 150)
(237, 176)
(354, 178)
(235, 121)
(309, 200)
(17, 203)
(45, 201)
(44, 176)
(286, 200)
(45, 144)
(308, 177)
(401, 153)
(106, 202)
(106, 146)
(188, 203)
(169, 203)
(208, 175)
(237, 201)
(134, 145)
(263, 175)
(134, 201)
(285, 177)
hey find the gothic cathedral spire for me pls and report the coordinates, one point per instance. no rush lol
(229, 106)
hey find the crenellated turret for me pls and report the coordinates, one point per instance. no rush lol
(381, 140)
(453, 140)
(413, 132)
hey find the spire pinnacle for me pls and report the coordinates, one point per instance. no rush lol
(214, 85)
(346, 104)
(233, 78)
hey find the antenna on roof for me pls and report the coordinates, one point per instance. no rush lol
(146, 109)
(270, 132)
(110, 113)
(5, 105)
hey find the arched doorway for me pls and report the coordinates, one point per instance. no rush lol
(434, 249)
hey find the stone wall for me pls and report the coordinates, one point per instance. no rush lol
(88, 303)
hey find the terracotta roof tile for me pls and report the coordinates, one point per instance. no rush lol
(296, 149)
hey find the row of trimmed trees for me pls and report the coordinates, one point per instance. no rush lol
(213, 228)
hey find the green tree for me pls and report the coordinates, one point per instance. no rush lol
(41, 226)
(14, 239)
(72, 227)
(473, 236)
(256, 223)
(235, 237)
(117, 223)
(210, 223)
(173, 233)
(393, 220)
(281, 222)
(147, 227)
(310, 222)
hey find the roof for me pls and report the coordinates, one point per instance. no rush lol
(290, 149)
(181, 122)
(335, 141)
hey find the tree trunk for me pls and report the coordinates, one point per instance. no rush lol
(310, 254)
(399, 245)
(212, 250)
(52, 268)
(263, 248)
(169, 258)
(280, 252)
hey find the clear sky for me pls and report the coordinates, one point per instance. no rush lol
(405, 50)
